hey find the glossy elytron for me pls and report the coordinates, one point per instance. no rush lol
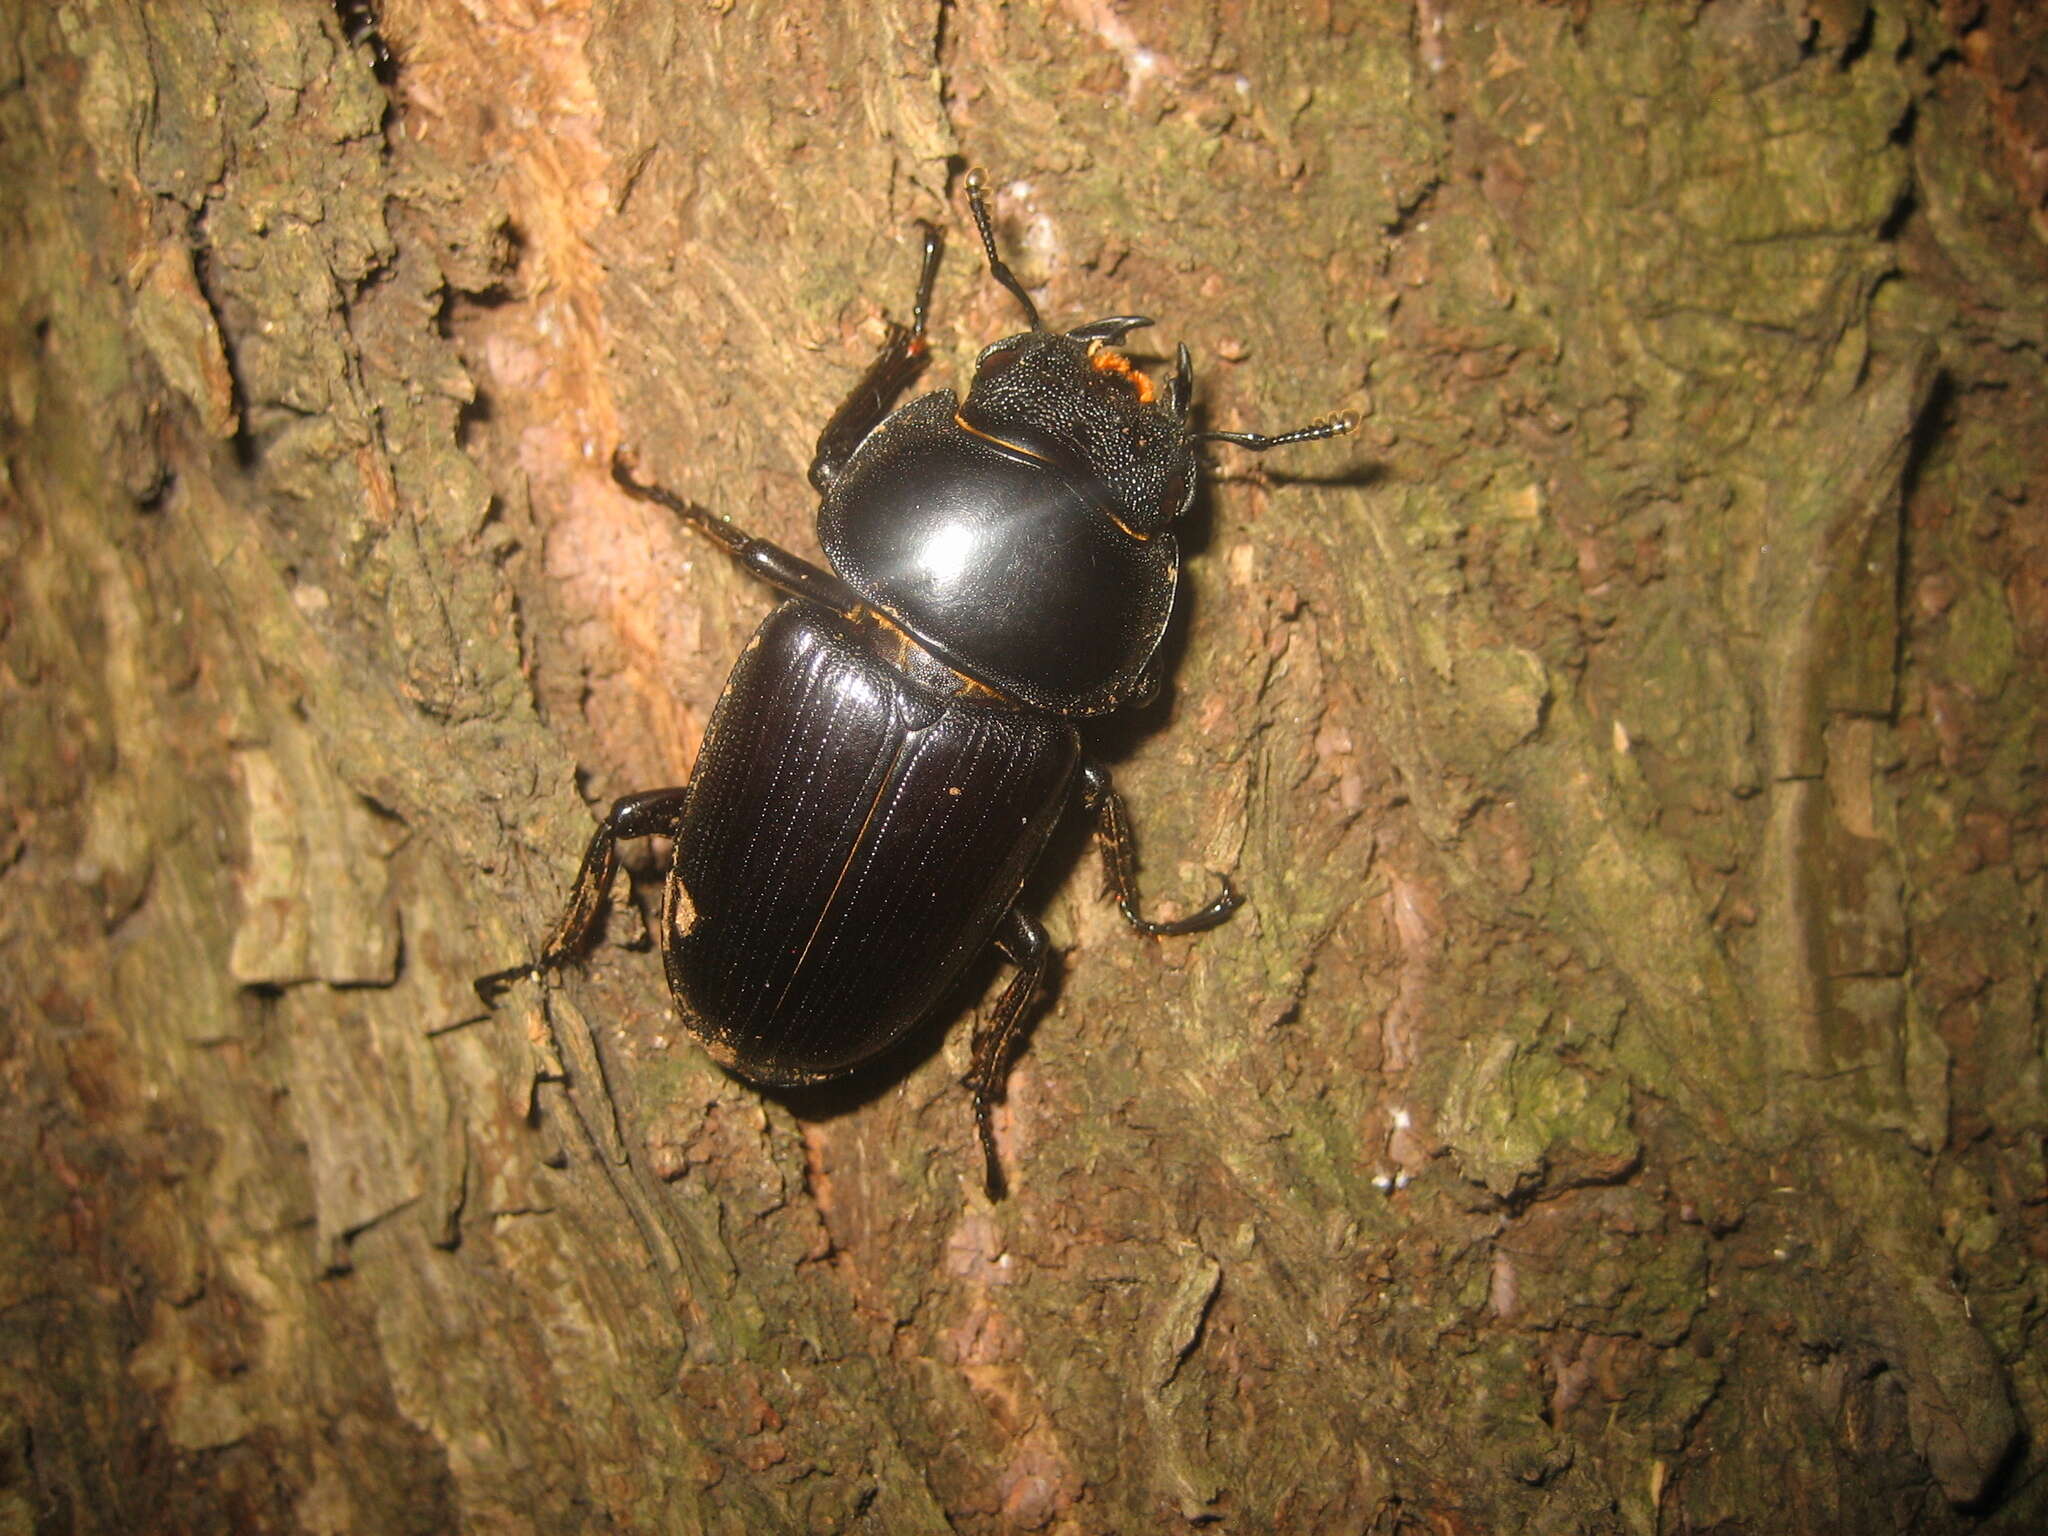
(897, 742)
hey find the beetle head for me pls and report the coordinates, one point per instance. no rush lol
(1075, 402)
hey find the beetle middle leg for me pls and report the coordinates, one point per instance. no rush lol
(902, 358)
(1120, 861)
(775, 565)
(1022, 943)
(653, 813)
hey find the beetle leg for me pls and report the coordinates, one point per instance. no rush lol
(901, 359)
(653, 813)
(1120, 861)
(1022, 943)
(770, 562)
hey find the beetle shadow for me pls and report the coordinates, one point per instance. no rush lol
(973, 996)
(1108, 739)
(838, 1097)
(833, 1099)
(1360, 475)
(1113, 738)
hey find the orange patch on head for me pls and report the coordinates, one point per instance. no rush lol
(1109, 360)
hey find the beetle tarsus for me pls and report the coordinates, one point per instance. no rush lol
(778, 567)
(1216, 912)
(652, 812)
(1120, 863)
(722, 532)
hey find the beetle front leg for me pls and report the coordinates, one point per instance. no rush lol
(1022, 943)
(1120, 861)
(653, 813)
(901, 360)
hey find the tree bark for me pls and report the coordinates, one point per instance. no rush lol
(1620, 1106)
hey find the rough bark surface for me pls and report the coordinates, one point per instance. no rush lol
(1620, 1107)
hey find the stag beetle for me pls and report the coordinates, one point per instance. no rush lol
(897, 741)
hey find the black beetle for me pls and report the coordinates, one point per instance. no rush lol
(896, 743)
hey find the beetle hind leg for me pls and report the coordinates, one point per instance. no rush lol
(1022, 943)
(655, 812)
(1120, 862)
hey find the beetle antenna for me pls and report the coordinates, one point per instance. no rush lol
(1259, 442)
(977, 200)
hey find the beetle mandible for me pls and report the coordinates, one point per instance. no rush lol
(897, 741)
